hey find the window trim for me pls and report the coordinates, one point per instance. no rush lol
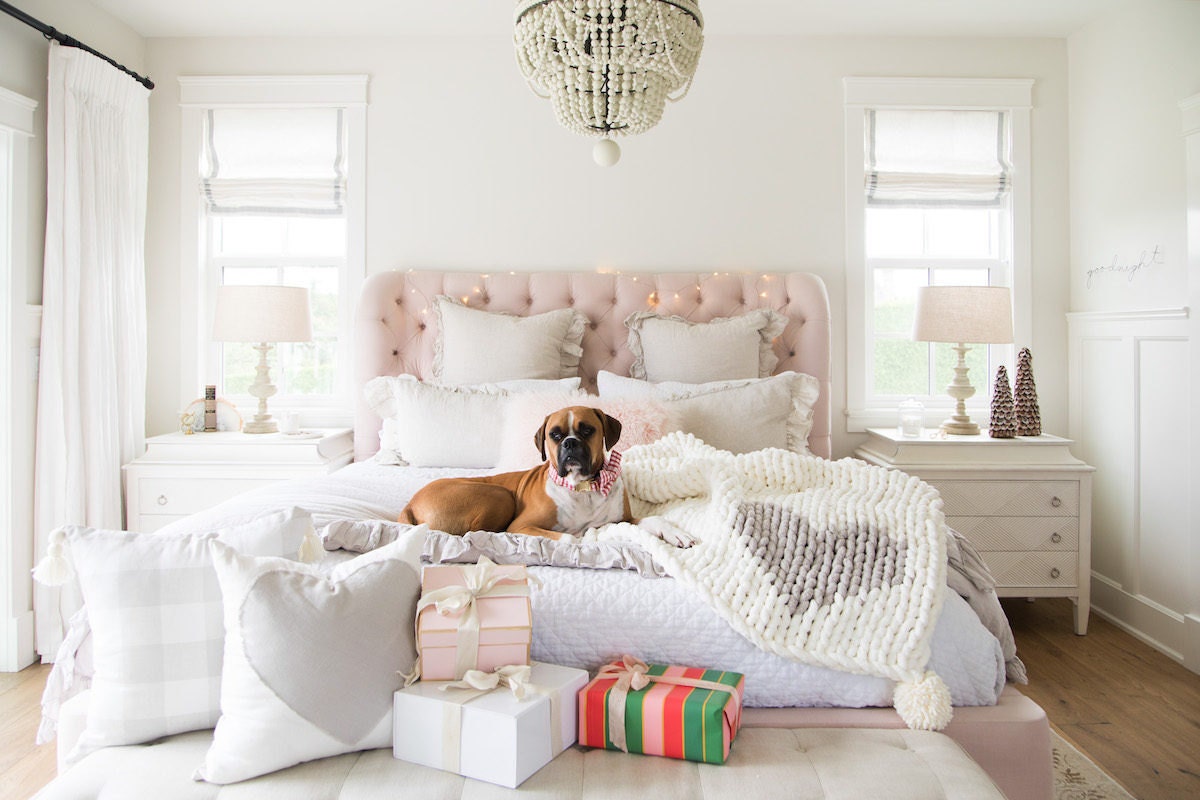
(1011, 95)
(198, 354)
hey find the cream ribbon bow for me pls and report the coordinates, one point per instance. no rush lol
(480, 580)
(632, 675)
(515, 677)
(475, 684)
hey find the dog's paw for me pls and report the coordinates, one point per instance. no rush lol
(668, 531)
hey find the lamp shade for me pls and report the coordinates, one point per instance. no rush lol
(963, 315)
(262, 314)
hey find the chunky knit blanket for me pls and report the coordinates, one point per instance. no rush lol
(838, 564)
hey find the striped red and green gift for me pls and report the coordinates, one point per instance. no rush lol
(683, 722)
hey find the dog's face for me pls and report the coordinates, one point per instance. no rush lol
(575, 439)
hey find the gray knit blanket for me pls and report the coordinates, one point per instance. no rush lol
(838, 564)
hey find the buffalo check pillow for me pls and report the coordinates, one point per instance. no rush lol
(155, 609)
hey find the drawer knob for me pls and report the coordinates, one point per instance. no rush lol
(1056, 537)
(162, 499)
(1056, 502)
(1054, 573)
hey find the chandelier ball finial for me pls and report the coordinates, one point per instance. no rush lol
(606, 152)
(608, 66)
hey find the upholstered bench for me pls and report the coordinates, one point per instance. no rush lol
(798, 764)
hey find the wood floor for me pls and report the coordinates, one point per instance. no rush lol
(24, 766)
(1131, 709)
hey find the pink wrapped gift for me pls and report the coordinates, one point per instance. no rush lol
(472, 616)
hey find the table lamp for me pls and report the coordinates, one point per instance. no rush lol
(262, 315)
(961, 315)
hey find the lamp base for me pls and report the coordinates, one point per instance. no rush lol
(257, 425)
(958, 427)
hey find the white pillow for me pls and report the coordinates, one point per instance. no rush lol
(433, 425)
(642, 421)
(311, 661)
(155, 612)
(738, 416)
(722, 349)
(475, 346)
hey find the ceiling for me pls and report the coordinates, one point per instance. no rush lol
(170, 18)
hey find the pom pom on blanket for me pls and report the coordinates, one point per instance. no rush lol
(923, 704)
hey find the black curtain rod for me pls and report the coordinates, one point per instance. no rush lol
(68, 41)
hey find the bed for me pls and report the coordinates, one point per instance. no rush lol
(397, 333)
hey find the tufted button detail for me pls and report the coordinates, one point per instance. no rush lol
(570, 301)
(612, 353)
(421, 326)
(593, 325)
(395, 352)
(486, 298)
(528, 301)
(791, 353)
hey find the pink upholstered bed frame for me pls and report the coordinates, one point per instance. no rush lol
(395, 327)
(395, 331)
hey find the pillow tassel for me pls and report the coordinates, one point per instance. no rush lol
(54, 569)
(311, 548)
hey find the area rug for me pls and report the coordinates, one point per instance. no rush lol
(1077, 777)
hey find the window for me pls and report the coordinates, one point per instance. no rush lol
(936, 188)
(276, 187)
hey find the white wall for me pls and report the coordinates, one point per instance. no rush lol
(1132, 389)
(467, 169)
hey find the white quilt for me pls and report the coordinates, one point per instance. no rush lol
(584, 618)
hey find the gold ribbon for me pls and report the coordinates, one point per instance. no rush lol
(481, 580)
(631, 674)
(477, 683)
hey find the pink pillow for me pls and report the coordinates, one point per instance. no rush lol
(642, 421)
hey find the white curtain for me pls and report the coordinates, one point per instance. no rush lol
(92, 387)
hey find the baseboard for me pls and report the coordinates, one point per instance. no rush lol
(1191, 642)
(1161, 628)
(16, 643)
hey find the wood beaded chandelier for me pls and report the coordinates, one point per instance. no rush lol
(609, 66)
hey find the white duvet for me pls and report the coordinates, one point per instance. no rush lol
(585, 617)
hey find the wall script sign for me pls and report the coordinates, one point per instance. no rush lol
(1147, 258)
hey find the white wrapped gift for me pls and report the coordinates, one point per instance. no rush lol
(501, 735)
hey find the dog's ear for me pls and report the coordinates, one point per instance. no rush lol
(539, 438)
(612, 429)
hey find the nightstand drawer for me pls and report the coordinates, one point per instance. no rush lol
(1055, 534)
(1017, 570)
(1009, 498)
(180, 496)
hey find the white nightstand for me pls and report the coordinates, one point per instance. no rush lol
(182, 474)
(1025, 503)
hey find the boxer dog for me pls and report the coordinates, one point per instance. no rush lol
(576, 487)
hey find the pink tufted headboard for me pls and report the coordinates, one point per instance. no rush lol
(395, 329)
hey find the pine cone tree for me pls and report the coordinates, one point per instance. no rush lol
(1025, 402)
(1004, 419)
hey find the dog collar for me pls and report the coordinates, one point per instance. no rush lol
(602, 483)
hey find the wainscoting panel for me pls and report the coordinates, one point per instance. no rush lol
(1130, 419)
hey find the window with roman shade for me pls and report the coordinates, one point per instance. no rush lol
(936, 194)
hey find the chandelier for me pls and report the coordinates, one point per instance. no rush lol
(609, 66)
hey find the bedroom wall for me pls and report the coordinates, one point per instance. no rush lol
(1133, 360)
(467, 169)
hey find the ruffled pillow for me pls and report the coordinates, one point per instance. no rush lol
(722, 349)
